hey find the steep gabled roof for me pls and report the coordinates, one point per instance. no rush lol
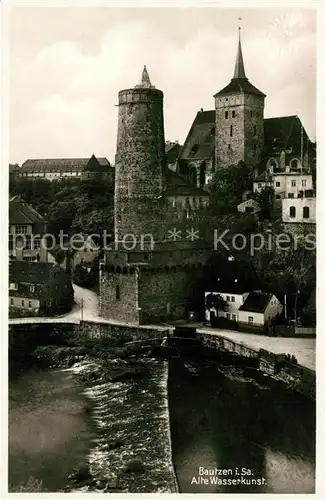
(200, 141)
(178, 186)
(36, 273)
(256, 302)
(93, 165)
(172, 150)
(22, 213)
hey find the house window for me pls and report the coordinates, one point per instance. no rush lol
(229, 147)
(259, 184)
(28, 244)
(293, 183)
(232, 298)
(278, 197)
(233, 114)
(228, 298)
(277, 184)
(250, 319)
(29, 303)
(230, 130)
(13, 286)
(228, 315)
(10, 243)
(194, 148)
(251, 113)
(249, 210)
(303, 182)
(226, 115)
(290, 195)
(32, 288)
(21, 229)
(37, 244)
(117, 292)
(292, 212)
(11, 302)
(234, 317)
(305, 212)
(23, 303)
(254, 129)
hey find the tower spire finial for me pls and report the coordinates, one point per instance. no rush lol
(239, 66)
(145, 79)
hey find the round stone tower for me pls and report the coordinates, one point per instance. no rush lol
(140, 164)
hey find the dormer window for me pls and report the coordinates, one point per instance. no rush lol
(194, 148)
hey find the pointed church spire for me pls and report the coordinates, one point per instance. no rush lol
(145, 79)
(239, 66)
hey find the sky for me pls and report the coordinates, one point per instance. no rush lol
(67, 65)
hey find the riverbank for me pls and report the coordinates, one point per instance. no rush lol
(126, 394)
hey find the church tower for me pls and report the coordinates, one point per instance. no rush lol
(140, 165)
(239, 119)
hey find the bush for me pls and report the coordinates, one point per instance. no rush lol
(33, 485)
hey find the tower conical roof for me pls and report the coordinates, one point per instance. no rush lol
(240, 83)
(145, 80)
(239, 66)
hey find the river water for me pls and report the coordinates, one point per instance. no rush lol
(49, 431)
(227, 420)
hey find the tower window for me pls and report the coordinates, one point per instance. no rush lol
(233, 114)
(230, 130)
(226, 115)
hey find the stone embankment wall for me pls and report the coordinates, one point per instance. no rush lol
(128, 333)
(297, 377)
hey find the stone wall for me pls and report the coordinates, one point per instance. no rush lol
(140, 164)
(127, 333)
(118, 296)
(246, 141)
(166, 294)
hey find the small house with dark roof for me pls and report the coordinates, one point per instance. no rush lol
(26, 230)
(234, 287)
(26, 286)
(38, 287)
(259, 308)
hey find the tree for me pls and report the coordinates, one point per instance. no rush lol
(58, 293)
(217, 302)
(265, 199)
(227, 187)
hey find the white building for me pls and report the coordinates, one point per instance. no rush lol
(292, 184)
(256, 308)
(299, 210)
(57, 168)
(249, 207)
